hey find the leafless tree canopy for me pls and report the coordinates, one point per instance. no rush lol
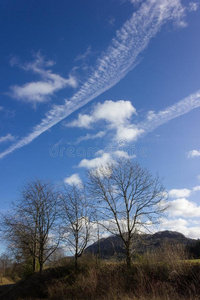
(125, 198)
(32, 222)
(128, 199)
(75, 214)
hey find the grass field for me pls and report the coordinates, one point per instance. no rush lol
(164, 274)
(145, 280)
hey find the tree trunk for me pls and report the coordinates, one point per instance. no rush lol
(34, 253)
(33, 264)
(41, 259)
(41, 267)
(76, 261)
(128, 255)
(99, 248)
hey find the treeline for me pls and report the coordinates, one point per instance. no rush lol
(121, 198)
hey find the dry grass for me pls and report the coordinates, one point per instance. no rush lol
(162, 275)
(6, 280)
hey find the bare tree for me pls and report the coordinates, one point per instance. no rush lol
(31, 226)
(128, 198)
(57, 257)
(75, 214)
(5, 262)
(16, 234)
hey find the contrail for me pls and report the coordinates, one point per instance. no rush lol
(180, 108)
(119, 58)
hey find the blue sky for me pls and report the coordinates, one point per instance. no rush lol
(85, 82)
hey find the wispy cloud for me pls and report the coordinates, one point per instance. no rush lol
(7, 112)
(40, 91)
(119, 58)
(151, 123)
(182, 107)
(196, 188)
(7, 138)
(193, 6)
(89, 136)
(84, 56)
(111, 21)
(193, 153)
(135, 1)
(118, 115)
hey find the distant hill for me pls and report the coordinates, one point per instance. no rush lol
(113, 245)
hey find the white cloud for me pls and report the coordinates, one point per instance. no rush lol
(96, 162)
(198, 177)
(128, 133)
(153, 120)
(193, 153)
(186, 227)
(122, 154)
(83, 121)
(7, 138)
(193, 6)
(174, 223)
(180, 225)
(1, 108)
(39, 91)
(103, 159)
(114, 113)
(183, 207)
(74, 180)
(114, 63)
(196, 188)
(179, 193)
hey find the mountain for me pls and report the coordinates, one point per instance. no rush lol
(113, 245)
